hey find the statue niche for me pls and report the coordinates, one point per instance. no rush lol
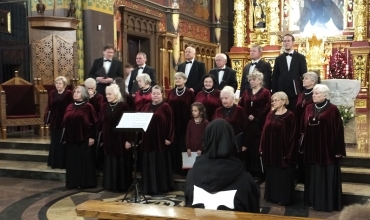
(259, 15)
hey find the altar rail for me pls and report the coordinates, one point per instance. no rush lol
(132, 211)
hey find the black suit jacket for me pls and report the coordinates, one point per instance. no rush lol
(115, 70)
(228, 79)
(262, 66)
(197, 71)
(148, 70)
(289, 81)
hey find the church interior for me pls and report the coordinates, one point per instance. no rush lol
(41, 40)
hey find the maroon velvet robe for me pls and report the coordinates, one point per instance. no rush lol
(114, 141)
(259, 109)
(97, 101)
(324, 136)
(160, 127)
(236, 117)
(57, 105)
(181, 111)
(79, 122)
(194, 135)
(277, 139)
(210, 100)
(302, 102)
(142, 98)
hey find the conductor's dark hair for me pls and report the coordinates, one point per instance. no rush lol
(108, 46)
(201, 109)
(128, 65)
(290, 35)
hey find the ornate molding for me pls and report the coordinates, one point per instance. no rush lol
(239, 23)
(58, 23)
(360, 20)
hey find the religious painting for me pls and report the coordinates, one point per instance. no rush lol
(314, 16)
(259, 14)
(5, 22)
(195, 8)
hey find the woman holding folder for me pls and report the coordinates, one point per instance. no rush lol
(276, 151)
(234, 114)
(117, 172)
(58, 100)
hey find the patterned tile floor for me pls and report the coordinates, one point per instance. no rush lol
(38, 199)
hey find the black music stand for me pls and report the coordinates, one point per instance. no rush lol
(135, 122)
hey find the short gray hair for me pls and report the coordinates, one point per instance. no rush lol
(256, 74)
(313, 76)
(221, 55)
(115, 90)
(227, 90)
(145, 77)
(63, 79)
(181, 74)
(323, 89)
(90, 82)
(192, 49)
(281, 96)
(84, 93)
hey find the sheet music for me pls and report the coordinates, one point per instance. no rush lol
(188, 162)
(135, 120)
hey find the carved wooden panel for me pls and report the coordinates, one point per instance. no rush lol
(53, 56)
(43, 59)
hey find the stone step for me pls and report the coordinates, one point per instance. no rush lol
(24, 155)
(356, 174)
(25, 145)
(30, 170)
(355, 161)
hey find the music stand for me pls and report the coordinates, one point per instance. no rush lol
(135, 122)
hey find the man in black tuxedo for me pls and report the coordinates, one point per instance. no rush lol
(141, 68)
(193, 69)
(288, 70)
(258, 64)
(104, 70)
(225, 76)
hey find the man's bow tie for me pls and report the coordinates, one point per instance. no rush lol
(288, 54)
(107, 61)
(221, 70)
(141, 67)
(253, 63)
(189, 62)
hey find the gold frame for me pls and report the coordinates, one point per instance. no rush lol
(5, 22)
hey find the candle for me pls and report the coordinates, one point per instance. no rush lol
(347, 56)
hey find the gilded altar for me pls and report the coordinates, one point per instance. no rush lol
(341, 30)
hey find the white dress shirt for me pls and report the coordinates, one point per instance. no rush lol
(289, 58)
(188, 67)
(221, 74)
(251, 68)
(127, 81)
(106, 65)
(140, 71)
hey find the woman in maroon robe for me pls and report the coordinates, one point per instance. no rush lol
(256, 103)
(276, 149)
(234, 114)
(310, 79)
(96, 100)
(156, 165)
(117, 172)
(322, 147)
(58, 100)
(144, 95)
(126, 97)
(180, 100)
(209, 96)
(80, 125)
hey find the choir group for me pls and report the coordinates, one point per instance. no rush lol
(293, 126)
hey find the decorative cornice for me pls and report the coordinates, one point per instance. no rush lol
(44, 22)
